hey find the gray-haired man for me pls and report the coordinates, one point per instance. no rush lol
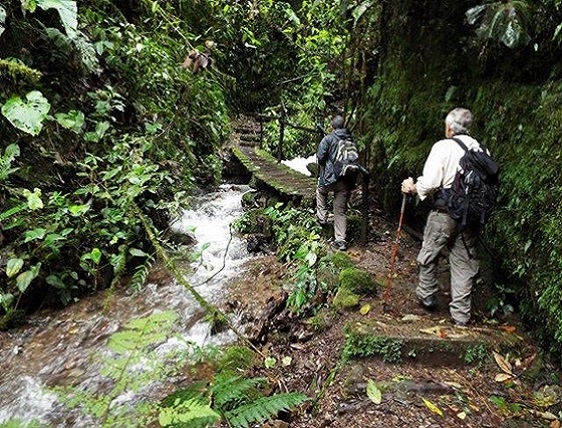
(441, 230)
(328, 182)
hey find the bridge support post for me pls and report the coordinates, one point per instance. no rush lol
(281, 136)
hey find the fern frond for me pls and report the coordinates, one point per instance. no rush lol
(196, 391)
(188, 414)
(10, 212)
(141, 272)
(229, 388)
(263, 409)
(142, 332)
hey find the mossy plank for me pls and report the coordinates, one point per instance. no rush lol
(297, 187)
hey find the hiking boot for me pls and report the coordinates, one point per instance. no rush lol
(339, 245)
(429, 303)
(461, 323)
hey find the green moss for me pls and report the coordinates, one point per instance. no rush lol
(319, 322)
(18, 71)
(345, 299)
(357, 281)
(365, 345)
(339, 260)
(237, 358)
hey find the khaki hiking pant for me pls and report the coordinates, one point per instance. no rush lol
(442, 231)
(342, 192)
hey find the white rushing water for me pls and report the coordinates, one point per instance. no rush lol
(299, 164)
(62, 348)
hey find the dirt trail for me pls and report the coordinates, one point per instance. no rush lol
(432, 390)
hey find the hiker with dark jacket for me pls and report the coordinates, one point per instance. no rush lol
(328, 182)
(441, 230)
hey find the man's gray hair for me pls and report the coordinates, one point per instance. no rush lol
(337, 122)
(460, 120)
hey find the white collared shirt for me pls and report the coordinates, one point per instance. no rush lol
(441, 164)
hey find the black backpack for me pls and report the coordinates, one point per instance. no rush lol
(475, 187)
(346, 164)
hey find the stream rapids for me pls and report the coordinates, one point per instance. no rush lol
(62, 348)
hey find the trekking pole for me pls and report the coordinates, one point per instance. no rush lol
(394, 254)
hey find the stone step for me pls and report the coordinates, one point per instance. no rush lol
(428, 342)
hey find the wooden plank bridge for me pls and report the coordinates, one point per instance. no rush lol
(269, 172)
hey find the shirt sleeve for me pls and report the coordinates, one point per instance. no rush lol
(323, 152)
(433, 173)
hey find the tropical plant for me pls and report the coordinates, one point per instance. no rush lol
(229, 396)
(504, 21)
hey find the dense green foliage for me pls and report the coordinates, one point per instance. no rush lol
(230, 396)
(98, 117)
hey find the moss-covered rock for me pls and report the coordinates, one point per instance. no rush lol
(357, 280)
(237, 358)
(367, 345)
(345, 299)
(321, 320)
(339, 260)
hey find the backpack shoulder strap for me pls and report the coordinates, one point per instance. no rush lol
(460, 143)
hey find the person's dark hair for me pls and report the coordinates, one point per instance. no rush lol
(460, 120)
(337, 122)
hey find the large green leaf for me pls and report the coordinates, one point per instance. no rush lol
(34, 234)
(504, 21)
(27, 115)
(13, 267)
(24, 279)
(373, 392)
(68, 12)
(73, 120)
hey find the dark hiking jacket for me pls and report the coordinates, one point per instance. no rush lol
(326, 156)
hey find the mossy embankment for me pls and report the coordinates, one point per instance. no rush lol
(431, 64)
